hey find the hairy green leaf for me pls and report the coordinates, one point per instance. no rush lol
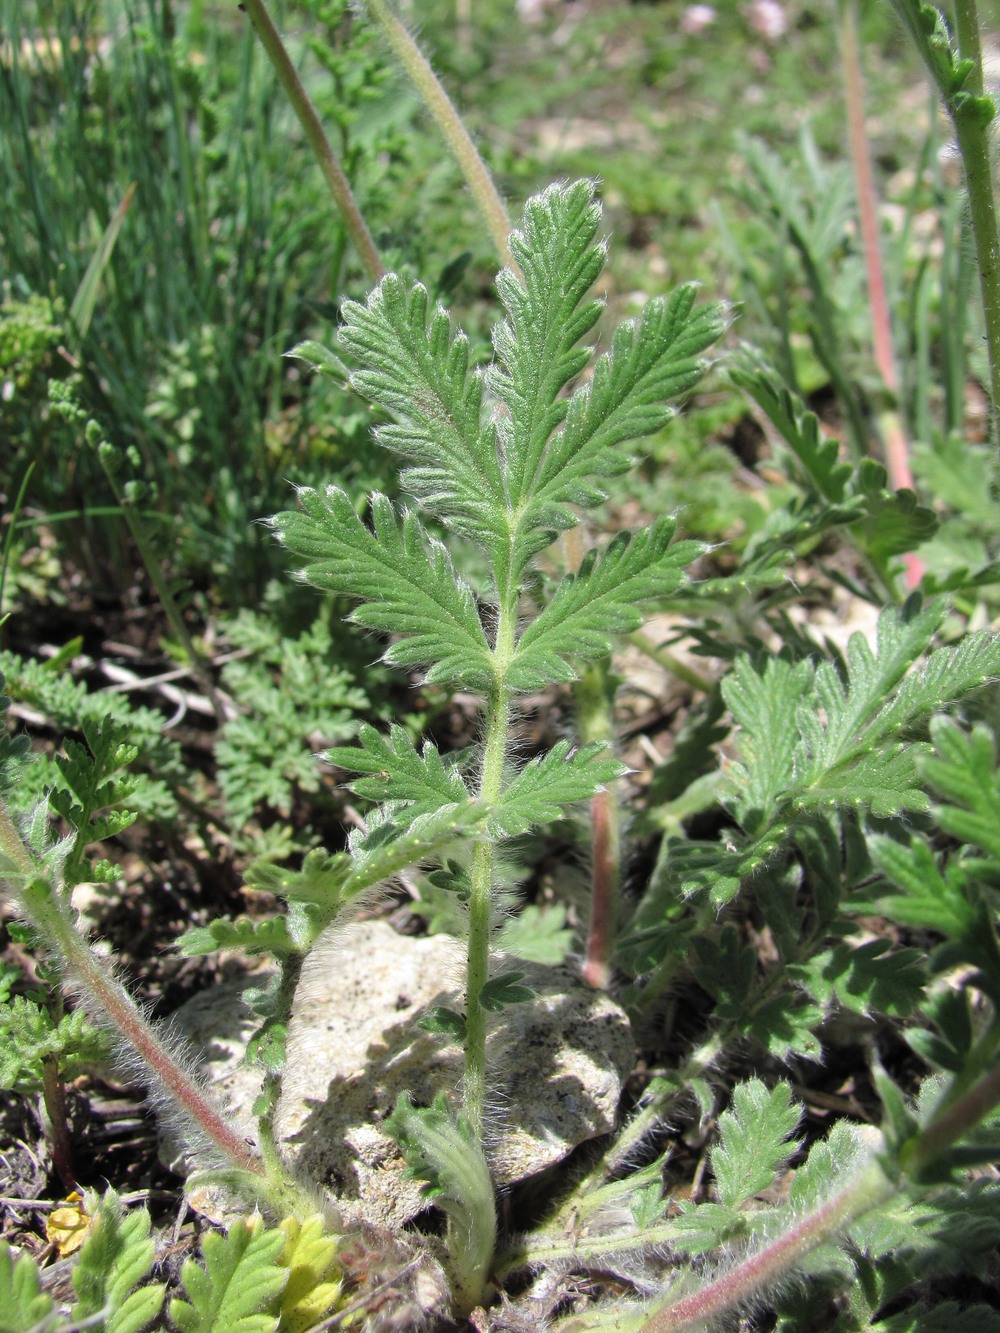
(651, 360)
(238, 1286)
(547, 315)
(269, 935)
(398, 773)
(420, 373)
(23, 1304)
(600, 601)
(964, 771)
(754, 1140)
(544, 788)
(114, 1259)
(404, 579)
(442, 1151)
(29, 1036)
(314, 1285)
(504, 989)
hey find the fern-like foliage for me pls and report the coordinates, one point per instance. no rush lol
(29, 1036)
(294, 695)
(509, 476)
(813, 738)
(69, 706)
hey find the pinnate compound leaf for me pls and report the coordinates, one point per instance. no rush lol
(845, 720)
(765, 706)
(754, 1140)
(933, 898)
(544, 788)
(23, 1304)
(238, 1287)
(389, 849)
(398, 772)
(599, 602)
(817, 456)
(114, 1259)
(850, 749)
(831, 1161)
(320, 880)
(419, 372)
(869, 978)
(404, 579)
(29, 1036)
(547, 315)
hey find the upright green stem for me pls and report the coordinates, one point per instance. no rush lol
(480, 900)
(972, 118)
(480, 911)
(456, 136)
(332, 171)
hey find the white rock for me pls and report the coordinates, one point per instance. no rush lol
(557, 1064)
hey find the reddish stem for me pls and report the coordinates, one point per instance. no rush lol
(897, 453)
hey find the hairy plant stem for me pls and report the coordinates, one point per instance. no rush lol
(457, 137)
(761, 1270)
(480, 901)
(329, 164)
(873, 1185)
(107, 1001)
(897, 453)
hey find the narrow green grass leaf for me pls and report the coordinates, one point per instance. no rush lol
(81, 312)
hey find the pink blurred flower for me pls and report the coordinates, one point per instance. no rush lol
(696, 18)
(767, 18)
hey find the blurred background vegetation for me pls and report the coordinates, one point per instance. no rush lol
(167, 117)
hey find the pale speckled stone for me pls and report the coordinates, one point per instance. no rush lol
(558, 1063)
